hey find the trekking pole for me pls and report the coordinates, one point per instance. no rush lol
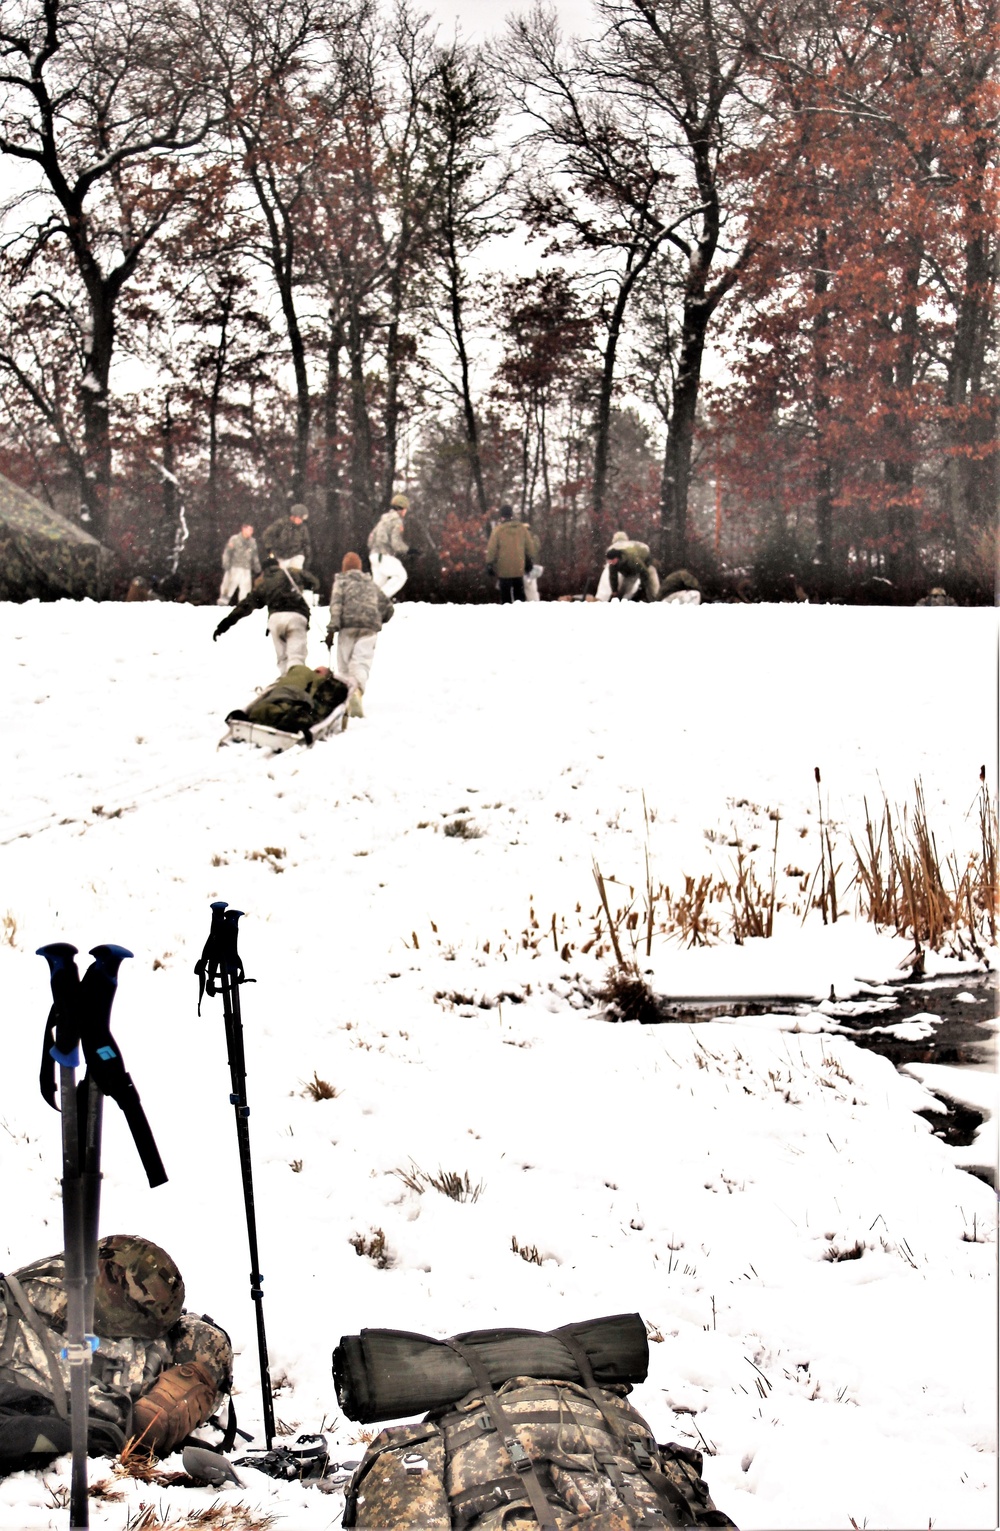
(220, 971)
(81, 1016)
(62, 1039)
(106, 1076)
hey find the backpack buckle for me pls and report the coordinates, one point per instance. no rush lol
(518, 1455)
(414, 1464)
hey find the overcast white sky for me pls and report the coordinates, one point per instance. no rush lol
(479, 19)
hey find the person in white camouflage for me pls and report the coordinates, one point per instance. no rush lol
(240, 564)
(358, 612)
(387, 547)
(628, 571)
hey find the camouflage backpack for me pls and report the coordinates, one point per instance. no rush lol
(157, 1373)
(532, 1453)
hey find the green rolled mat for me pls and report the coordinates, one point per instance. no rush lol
(383, 1374)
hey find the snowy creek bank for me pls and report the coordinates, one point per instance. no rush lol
(817, 1275)
(942, 1029)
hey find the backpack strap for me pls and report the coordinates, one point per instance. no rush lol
(16, 1290)
(522, 1463)
(632, 1448)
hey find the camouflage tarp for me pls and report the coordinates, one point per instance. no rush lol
(44, 556)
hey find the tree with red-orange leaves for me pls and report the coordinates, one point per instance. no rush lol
(864, 333)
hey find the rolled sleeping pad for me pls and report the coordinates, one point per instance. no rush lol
(383, 1374)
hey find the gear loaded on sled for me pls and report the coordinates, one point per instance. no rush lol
(525, 1429)
(304, 705)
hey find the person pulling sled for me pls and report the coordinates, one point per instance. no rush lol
(281, 591)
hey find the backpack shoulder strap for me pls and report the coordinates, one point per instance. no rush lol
(522, 1462)
(27, 1312)
(632, 1448)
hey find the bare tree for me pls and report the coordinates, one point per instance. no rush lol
(106, 105)
(678, 69)
(464, 109)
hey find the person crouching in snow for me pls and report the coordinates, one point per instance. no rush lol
(280, 590)
(358, 612)
(628, 569)
(387, 547)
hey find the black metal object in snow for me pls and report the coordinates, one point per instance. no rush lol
(220, 971)
(80, 1017)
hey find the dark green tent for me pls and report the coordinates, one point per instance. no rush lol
(44, 556)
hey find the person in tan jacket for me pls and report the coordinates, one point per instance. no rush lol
(510, 553)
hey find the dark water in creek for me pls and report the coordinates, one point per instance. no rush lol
(965, 1037)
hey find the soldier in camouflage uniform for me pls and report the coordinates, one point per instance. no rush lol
(358, 612)
(628, 570)
(288, 540)
(387, 547)
(240, 563)
(280, 590)
(937, 596)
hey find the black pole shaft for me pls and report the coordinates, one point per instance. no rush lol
(91, 1185)
(78, 1351)
(64, 1029)
(230, 973)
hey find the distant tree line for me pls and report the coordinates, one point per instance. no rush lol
(248, 258)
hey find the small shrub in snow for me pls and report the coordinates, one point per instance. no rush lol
(271, 854)
(528, 1252)
(852, 1252)
(319, 1089)
(457, 1186)
(628, 996)
(374, 1246)
(974, 1235)
(463, 829)
(8, 929)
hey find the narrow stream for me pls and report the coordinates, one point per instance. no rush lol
(964, 1038)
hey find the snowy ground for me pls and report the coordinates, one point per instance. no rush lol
(701, 1175)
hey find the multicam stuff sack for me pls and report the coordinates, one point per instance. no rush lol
(573, 1456)
(145, 1337)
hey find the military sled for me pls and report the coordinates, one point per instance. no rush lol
(242, 729)
(301, 707)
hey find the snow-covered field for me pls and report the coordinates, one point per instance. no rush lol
(699, 1174)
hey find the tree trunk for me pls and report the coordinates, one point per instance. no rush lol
(393, 368)
(218, 375)
(468, 409)
(822, 557)
(971, 474)
(95, 400)
(357, 514)
(331, 552)
(602, 421)
(898, 466)
(680, 435)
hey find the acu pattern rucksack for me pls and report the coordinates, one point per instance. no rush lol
(531, 1453)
